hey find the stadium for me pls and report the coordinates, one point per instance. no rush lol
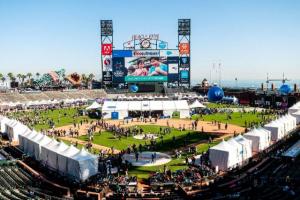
(143, 131)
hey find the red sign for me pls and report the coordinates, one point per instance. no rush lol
(184, 48)
(106, 49)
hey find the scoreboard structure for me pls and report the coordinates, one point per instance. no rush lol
(145, 59)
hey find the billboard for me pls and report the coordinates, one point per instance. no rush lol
(184, 48)
(145, 65)
(106, 49)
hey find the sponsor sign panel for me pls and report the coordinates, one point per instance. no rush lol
(146, 53)
(184, 48)
(106, 49)
(169, 53)
(107, 63)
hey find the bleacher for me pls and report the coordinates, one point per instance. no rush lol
(50, 95)
(17, 184)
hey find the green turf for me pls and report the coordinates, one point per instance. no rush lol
(107, 139)
(222, 105)
(236, 118)
(45, 115)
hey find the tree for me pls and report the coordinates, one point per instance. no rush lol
(11, 76)
(37, 75)
(19, 76)
(29, 75)
(1, 75)
(84, 79)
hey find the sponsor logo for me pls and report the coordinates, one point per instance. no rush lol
(173, 68)
(146, 53)
(162, 45)
(184, 48)
(184, 61)
(107, 63)
(169, 53)
(106, 49)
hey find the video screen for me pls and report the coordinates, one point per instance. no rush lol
(146, 69)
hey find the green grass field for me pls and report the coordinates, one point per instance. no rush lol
(107, 139)
(66, 116)
(222, 105)
(236, 118)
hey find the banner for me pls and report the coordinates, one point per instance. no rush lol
(119, 70)
(122, 53)
(169, 53)
(184, 61)
(107, 77)
(106, 49)
(146, 53)
(184, 48)
(107, 63)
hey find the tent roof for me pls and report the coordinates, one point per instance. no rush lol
(197, 104)
(70, 151)
(94, 105)
(223, 146)
(83, 155)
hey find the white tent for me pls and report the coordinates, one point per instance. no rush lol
(14, 128)
(63, 158)
(169, 108)
(294, 108)
(276, 128)
(238, 148)
(260, 139)
(26, 144)
(44, 140)
(197, 104)
(134, 106)
(3, 122)
(94, 105)
(22, 138)
(52, 154)
(246, 146)
(223, 156)
(156, 105)
(83, 165)
(297, 116)
(183, 108)
(45, 150)
(31, 144)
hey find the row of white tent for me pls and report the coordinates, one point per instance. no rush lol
(67, 160)
(237, 150)
(123, 107)
(40, 102)
(295, 111)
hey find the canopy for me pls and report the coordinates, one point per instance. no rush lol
(260, 139)
(277, 130)
(223, 156)
(14, 128)
(297, 116)
(197, 104)
(83, 165)
(247, 146)
(94, 105)
(3, 122)
(63, 158)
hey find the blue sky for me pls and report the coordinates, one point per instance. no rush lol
(249, 38)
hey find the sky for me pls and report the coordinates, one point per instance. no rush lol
(250, 38)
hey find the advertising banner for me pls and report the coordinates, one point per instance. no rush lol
(107, 63)
(184, 62)
(119, 70)
(122, 53)
(146, 53)
(168, 53)
(184, 76)
(106, 49)
(184, 48)
(107, 77)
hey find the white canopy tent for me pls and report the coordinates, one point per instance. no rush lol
(31, 151)
(294, 108)
(26, 147)
(246, 147)
(63, 158)
(45, 150)
(3, 122)
(94, 106)
(297, 116)
(238, 148)
(223, 156)
(13, 129)
(197, 104)
(44, 140)
(22, 138)
(276, 128)
(167, 107)
(52, 154)
(260, 139)
(82, 165)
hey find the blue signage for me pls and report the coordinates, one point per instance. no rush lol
(121, 53)
(114, 115)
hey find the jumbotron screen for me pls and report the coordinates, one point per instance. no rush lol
(145, 65)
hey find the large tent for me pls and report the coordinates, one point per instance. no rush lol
(121, 108)
(246, 147)
(238, 148)
(223, 156)
(297, 116)
(44, 140)
(94, 106)
(52, 154)
(196, 104)
(82, 165)
(277, 130)
(3, 122)
(294, 108)
(13, 129)
(63, 158)
(260, 139)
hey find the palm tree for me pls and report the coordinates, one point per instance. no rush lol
(11, 76)
(1, 75)
(19, 76)
(37, 75)
(29, 75)
(23, 77)
(83, 78)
